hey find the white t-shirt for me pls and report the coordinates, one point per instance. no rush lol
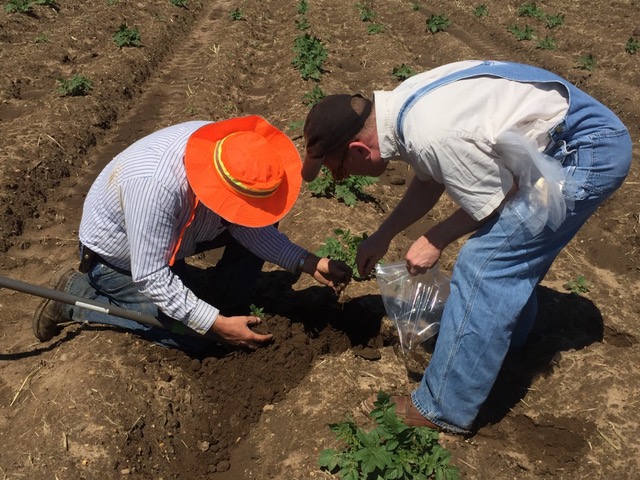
(450, 133)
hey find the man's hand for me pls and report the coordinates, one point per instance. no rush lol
(332, 273)
(371, 250)
(235, 331)
(422, 256)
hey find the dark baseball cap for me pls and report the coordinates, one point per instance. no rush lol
(330, 124)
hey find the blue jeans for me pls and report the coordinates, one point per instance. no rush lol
(231, 285)
(492, 304)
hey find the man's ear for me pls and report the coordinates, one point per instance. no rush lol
(359, 150)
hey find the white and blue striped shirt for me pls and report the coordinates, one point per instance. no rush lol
(136, 209)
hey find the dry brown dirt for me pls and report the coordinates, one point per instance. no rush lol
(96, 403)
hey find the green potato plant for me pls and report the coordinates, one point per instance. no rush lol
(343, 247)
(402, 72)
(366, 11)
(526, 33)
(314, 96)
(127, 37)
(547, 43)
(632, 46)
(481, 11)
(531, 10)
(310, 56)
(578, 286)
(76, 86)
(375, 28)
(391, 450)
(236, 14)
(438, 23)
(587, 62)
(553, 21)
(25, 6)
(348, 190)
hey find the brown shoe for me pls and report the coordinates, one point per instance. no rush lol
(49, 314)
(405, 410)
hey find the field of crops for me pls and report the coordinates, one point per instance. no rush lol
(82, 80)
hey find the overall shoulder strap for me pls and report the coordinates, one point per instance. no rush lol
(509, 70)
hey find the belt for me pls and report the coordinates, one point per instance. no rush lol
(89, 259)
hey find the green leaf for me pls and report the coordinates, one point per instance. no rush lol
(329, 459)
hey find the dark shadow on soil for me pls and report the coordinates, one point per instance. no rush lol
(355, 322)
(39, 350)
(565, 321)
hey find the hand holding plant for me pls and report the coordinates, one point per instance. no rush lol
(332, 273)
(343, 248)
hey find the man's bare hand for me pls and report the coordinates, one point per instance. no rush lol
(422, 256)
(369, 252)
(235, 331)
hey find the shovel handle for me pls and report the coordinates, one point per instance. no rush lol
(52, 294)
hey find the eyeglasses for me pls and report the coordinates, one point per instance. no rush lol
(337, 171)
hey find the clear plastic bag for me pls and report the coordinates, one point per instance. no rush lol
(414, 303)
(545, 192)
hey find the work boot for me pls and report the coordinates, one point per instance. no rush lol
(50, 314)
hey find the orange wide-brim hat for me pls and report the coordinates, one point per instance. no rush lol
(244, 169)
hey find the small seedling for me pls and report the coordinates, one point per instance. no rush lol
(402, 72)
(257, 311)
(554, 21)
(632, 46)
(303, 7)
(587, 62)
(343, 247)
(547, 43)
(127, 37)
(375, 28)
(525, 33)
(236, 14)
(179, 3)
(481, 11)
(531, 10)
(313, 97)
(438, 23)
(415, 6)
(391, 450)
(578, 286)
(76, 86)
(42, 38)
(295, 126)
(366, 11)
(302, 23)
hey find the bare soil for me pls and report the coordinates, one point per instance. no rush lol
(96, 403)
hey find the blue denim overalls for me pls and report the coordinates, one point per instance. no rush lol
(493, 303)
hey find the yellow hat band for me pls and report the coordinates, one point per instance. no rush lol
(236, 184)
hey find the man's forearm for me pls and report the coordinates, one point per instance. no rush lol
(418, 200)
(452, 228)
(460, 223)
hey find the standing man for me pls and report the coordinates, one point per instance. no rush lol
(527, 157)
(179, 191)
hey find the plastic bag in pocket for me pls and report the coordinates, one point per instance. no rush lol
(414, 303)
